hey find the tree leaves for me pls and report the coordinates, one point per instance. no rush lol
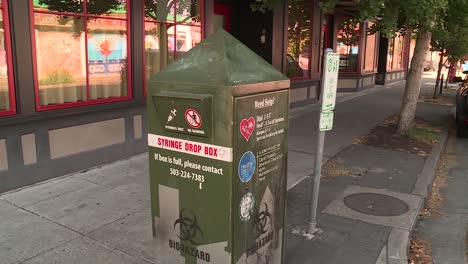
(392, 16)
(450, 33)
(263, 6)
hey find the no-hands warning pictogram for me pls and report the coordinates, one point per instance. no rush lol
(193, 118)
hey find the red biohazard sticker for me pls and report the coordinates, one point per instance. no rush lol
(193, 118)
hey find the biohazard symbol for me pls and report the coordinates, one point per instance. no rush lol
(188, 226)
(262, 224)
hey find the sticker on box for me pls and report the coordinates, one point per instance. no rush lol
(246, 206)
(247, 166)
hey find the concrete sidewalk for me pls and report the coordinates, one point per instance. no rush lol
(447, 234)
(381, 182)
(102, 215)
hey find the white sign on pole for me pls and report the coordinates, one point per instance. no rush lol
(330, 81)
(326, 121)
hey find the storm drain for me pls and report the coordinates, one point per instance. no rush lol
(376, 204)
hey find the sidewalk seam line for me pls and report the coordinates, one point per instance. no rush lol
(74, 231)
(52, 197)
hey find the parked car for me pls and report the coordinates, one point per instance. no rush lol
(461, 113)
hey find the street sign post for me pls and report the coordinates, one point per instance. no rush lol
(328, 99)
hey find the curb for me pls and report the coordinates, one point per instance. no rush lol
(423, 184)
(397, 248)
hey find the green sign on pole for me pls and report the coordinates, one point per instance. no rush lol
(330, 81)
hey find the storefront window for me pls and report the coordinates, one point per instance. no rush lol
(299, 39)
(172, 27)
(398, 55)
(395, 53)
(390, 51)
(81, 52)
(370, 60)
(7, 96)
(348, 45)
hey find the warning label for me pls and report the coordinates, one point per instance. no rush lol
(193, 118)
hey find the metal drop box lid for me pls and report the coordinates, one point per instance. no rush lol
(220, 62)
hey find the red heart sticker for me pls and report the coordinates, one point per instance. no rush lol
(247, 127)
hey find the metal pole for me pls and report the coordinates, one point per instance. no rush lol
(441, 83)
(315, 191)
(312, 227)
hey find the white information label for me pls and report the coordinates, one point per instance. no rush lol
(326, 121)
(330, 81)
(190, 147)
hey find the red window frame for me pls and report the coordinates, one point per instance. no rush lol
(311, 26)
(11, 86)
(88, 101)
(358, 64)
(171, 23)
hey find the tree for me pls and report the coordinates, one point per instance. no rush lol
(94, 7)
(348, 35)
(265, 5)
(450, 35)
(405, 16)
(299, 26)
(160, 9)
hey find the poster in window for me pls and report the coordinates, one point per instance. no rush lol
(106, 53)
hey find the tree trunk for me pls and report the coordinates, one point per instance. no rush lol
(413, 83)
(163, 7)
(163, 47)
(439, 72)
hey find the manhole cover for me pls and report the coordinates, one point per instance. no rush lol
(376, 204)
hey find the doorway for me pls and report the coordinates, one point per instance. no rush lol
(253, 29)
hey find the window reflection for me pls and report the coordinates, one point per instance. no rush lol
(395, 53)
(370, 55)
(186, 38)
(299, 38)
(188, 11)
(107, 58)
(398, 55)
(63, 6)
(5, 103)
(390, 51)
(168, 36)
(109, 8)
(152, 47)
(79, 57)
(348, 45)
(160, 10)
(60, 58)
